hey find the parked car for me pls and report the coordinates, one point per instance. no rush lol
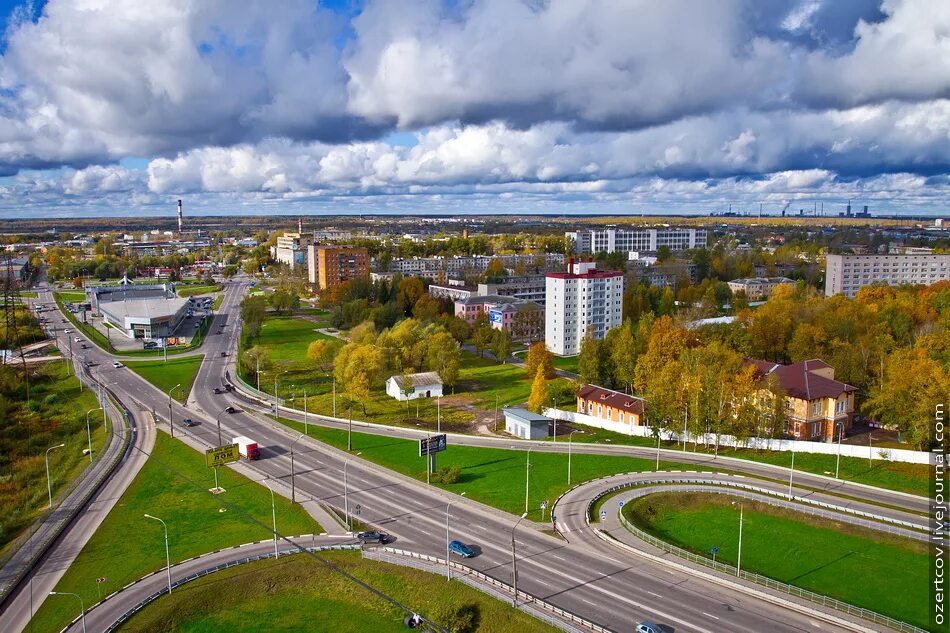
(372, 537)
(648, 627)
(189, 422)
(231, 410)
(117, 364)
(217, 390)
(77, 339)
(67, 330)
(460, 548)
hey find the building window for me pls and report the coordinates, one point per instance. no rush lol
(816, 408)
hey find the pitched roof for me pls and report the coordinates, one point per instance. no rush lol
(800, 380)
(423, 379)
(525, 415)
(611, 398)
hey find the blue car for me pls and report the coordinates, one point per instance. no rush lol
(461, 549)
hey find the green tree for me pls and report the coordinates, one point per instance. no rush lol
(482, 337)
(539, 392)
(501, 345)
(592, 362)
(444, 356)
(322, 352)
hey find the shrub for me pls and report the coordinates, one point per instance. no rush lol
(447, 474)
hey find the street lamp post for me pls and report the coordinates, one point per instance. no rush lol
(569, 442)
(514, 562)
(306, 427)
(293, 481)
(527, 478)
(49, 484)
(89, 432)
(448, 567)
(168, 560)
(739, 557)
(838, 458)
(82, 605)
(438, 415)
(346, 505)
(791, 472)
(349, 427)
(555, 421)
(273, 514)
(276, 396)
(171, 423)
(217, 421)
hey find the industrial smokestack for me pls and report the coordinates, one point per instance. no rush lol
(299, 226)
(179, 217)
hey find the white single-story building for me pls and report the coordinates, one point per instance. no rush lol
(526, 424)
(145, 318)
(412, 386)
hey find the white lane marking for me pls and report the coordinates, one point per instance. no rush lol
(814, 624)
(654, 594)
(709, 615)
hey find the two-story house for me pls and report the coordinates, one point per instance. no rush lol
(609, 405)
(816, 404)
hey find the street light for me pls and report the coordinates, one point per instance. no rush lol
(306, 428)
(838, 459)
(514, 561)
(739, 557)
(49, 485)
(527, 478)
(448, 567)
(791, 472)
(276, 397)
(168, 560)
(346, 505)
(82, 606)
(438, 405)
(88, 432)
(293, 483)
(217, 421)
(555, 420)
(273, 513)
(569, 436)
(171, 424)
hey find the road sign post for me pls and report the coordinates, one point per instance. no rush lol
(222, 455)
(428, 447)
(714, 551)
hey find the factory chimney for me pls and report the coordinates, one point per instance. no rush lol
(299, 226)
(179, 217)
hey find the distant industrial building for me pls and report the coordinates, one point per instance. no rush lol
(756, 288)
(650, 240)
(581, 302)
(528, 288)
(847, 274)
(329, 266)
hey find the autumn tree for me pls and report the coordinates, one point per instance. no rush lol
(482, 337)
(444, 356)
(359, 368)
(539, 356)
(538, 398)
(501, 345)
(322, 352)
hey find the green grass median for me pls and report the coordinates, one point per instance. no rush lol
(173, 485)
(298, 593)
(863, 567)
(165, 375)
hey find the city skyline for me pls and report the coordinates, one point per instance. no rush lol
(568, 108)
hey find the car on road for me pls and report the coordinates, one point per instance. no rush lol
(84, 346)
(231, 410)
(217, 390)
(372, 537)
(77, 339)
(67, 330)
(223, 354)
(62, 320)
(460, 548)
(117, 364)
(228, 387)
(648, 627)
(189, 422)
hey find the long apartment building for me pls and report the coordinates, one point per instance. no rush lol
(639, 240)
(846, 274)
(581, 302)
(429, 266)
(329, 266)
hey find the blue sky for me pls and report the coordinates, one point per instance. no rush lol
(417, 106)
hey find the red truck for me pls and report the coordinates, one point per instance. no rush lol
(247, 447)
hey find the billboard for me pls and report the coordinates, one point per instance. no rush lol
(494, 316)
(431, 445)
(222, 455)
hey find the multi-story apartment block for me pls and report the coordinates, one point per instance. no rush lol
(430, 266)
(291, 249)
(817, 407)
(529, 288)
(524, 320)
(639, 240)
(756, 288)
(329, 266)
(581, 302)
(846, 274)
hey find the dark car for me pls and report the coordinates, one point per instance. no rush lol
(231, 410)
(189, 422)
(223, 354)
(217, 390)
(228, 387)
(372, 537)
(460, 548)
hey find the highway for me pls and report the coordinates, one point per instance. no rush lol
(590, 579)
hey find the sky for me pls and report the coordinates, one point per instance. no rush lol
(121, 107)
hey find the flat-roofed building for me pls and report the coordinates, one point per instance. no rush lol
(581, 302)
(291, 249)
(153, 318)
(759, 287)
(590, 241)
(330, 266)
(846, 274)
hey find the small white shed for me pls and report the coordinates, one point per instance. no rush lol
(412, 386)
(526, 424)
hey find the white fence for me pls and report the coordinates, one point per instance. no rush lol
(847, 450)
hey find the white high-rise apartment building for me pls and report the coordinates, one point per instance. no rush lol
(846, 274)
(581, 302)
(638, 240)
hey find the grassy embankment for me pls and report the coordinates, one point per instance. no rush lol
(300, 594)
(862, 567)
(191, 291)
(177, 371)
(55, 414)
(172, 486)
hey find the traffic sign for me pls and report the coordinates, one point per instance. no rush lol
(100, 580)
(620, 503)
(603, 515)
(432, 444)
(544, 505)
(222, 455)
(714, 550)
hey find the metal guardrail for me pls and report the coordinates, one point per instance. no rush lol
(525, 598)
(73, 509)
(785, 588)
(257, 393)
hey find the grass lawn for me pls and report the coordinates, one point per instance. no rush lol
(218, 300)
(863, 567)
(491, 475)
(298, 593)
(177, 371)
(191, 291)
(56, 414)
(173, 486)
(72, 296)
(912, 478)
(567, 363)
(28, 294)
